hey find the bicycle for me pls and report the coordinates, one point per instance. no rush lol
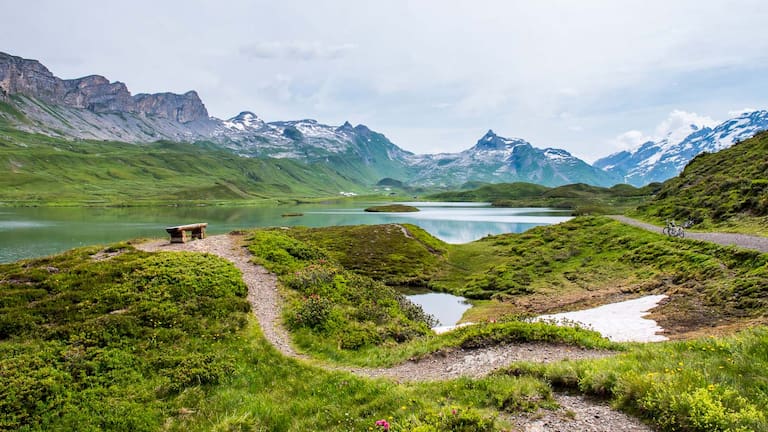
(674, 230)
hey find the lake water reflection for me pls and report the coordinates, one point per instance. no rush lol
(40, 231)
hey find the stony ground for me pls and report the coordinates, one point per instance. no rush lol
(576, 412)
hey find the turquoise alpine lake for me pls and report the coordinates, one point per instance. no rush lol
(41, 231)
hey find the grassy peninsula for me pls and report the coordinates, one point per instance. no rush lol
(712, 289)
(392, 208)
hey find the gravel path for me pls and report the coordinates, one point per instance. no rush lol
(262, 285)
(575, 412)
(725, 239)
(578, 413)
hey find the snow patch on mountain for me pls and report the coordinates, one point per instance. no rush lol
(246, 120)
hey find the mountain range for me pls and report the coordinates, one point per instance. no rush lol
(34, 100)
(495, 159)
(657, 161)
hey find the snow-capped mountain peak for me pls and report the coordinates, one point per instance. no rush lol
(244, 121)
(661, 159)
(739, 128)
(491, 141)
(498, 159)
(557, 154)
(345, 128)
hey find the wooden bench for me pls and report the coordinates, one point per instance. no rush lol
(179, 233)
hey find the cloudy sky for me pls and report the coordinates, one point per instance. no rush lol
(588, 76)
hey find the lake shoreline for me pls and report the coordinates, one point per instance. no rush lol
(29, 232)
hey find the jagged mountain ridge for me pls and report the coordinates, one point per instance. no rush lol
(94, 93)
(92, 107)
(657, 161)
(497, 159)
(248, 135)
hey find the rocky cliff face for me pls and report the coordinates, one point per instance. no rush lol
(93, 93)
(18, 75)
(179, 108)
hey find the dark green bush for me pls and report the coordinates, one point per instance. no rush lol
(312, 312)
(80, 342)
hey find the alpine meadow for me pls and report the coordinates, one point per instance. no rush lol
(411, 216)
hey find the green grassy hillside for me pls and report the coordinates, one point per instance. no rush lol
(593, 260)
(40, 170)
(581, 198)
(493, 192)
(718, 189)
(116, 339)
(587, 261)
(394, 254)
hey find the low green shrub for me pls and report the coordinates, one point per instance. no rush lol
(312, 312)
(105, 344)
(281, 253)
(330, 307)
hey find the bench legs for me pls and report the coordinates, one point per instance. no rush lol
(178, 236)
(198, 233)
(182, 236)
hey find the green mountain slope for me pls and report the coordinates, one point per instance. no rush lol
(717, 188)
(494, 192)
(580, 197)
(37, 169)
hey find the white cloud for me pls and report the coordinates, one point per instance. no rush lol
(296, 50)
(403, 65)
(678, 125)
(630, 140)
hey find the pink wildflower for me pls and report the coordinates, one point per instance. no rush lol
(383, 424)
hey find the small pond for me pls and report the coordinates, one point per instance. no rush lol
(447, 308)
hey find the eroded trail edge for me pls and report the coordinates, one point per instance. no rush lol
(576, 411)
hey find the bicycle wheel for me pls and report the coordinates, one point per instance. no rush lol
(665, 231)
(681, 233)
